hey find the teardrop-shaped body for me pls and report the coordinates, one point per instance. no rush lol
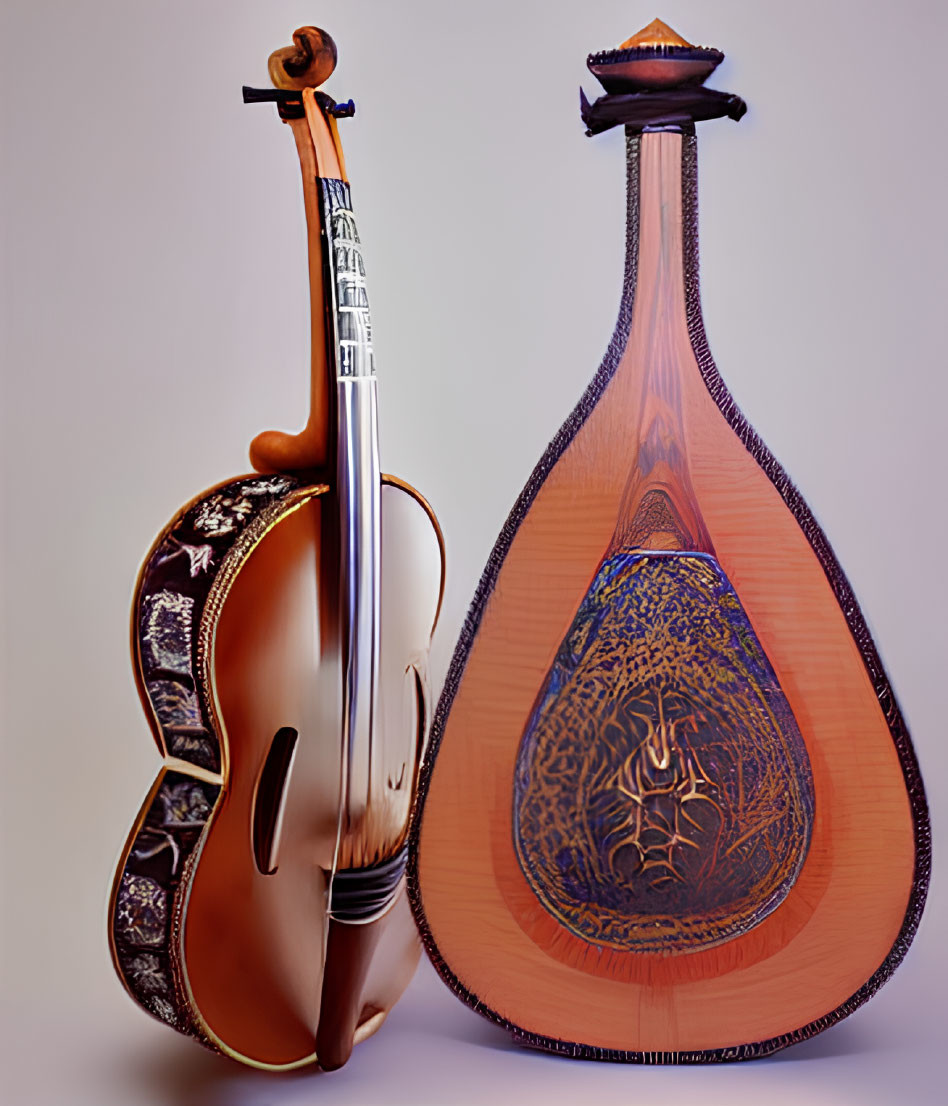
(670, 810)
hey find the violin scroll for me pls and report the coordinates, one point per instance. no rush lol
(308, 63)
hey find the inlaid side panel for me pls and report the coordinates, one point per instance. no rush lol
(148, 899)
(191, 561)
(175, 583)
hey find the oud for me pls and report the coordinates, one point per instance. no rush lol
(280, 632)
(670, 811)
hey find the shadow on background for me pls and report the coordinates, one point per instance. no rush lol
(174, 1071)
(183, 1073)
(853, 1036)
(437, 1014)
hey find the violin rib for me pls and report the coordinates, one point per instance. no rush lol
(227, 628)
(174, 621)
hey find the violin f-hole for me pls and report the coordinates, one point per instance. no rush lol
(417, 692)
(421, 723)
(270, 799)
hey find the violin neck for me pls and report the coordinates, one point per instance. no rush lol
(340, 331)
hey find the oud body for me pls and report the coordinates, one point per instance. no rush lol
(280, 633)
(670, 811)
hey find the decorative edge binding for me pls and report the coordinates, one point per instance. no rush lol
(175, 596)
(147, 903)
(837, 580)
(152, 884)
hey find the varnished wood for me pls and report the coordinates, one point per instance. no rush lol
(484, 926)
(247, 911)
(307, 63)
(320, 154)
(656, 57)
(255, 970)
(655, 33)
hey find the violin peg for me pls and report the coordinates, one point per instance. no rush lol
(308, 63)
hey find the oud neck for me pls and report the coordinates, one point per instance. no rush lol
(659, 508)
(654, 85)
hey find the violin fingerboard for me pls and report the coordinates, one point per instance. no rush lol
(350, 304)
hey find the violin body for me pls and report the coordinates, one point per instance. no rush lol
(228, 626)
(280, 632)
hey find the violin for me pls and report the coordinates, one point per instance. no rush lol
(667, 757)
(280, 632)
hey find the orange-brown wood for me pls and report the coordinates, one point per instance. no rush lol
(307, 63)
(253, 943)
(656, 33)
(244, 911)
(320, 153)
(844, 912)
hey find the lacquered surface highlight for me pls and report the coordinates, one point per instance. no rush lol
(254, 945)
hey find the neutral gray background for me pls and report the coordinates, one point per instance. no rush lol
(155, 319)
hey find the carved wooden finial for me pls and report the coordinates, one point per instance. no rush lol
(656, 57)
(307, 63)
(656, 33)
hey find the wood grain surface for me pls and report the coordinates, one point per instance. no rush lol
(841, 918)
